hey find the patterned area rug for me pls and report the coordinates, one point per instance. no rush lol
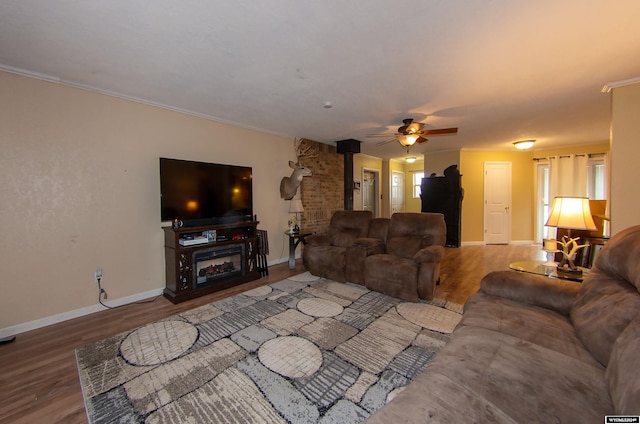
(303, 350)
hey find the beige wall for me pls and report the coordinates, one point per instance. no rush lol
(522, 188)
(80, 190)
(411, 204)
(625, 151)
(438, 162)
(472, 170)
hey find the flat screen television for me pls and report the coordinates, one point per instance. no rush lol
(199, 193)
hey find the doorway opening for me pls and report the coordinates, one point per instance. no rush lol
(371, 191)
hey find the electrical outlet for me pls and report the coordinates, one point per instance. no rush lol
(97, 276)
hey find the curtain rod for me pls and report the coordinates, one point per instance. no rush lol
(589, 155)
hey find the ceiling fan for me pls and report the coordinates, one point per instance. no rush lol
(412, 132)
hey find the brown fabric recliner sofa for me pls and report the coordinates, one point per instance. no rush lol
(398, 256)
(409, 267)
(324, 254)
(533, 349)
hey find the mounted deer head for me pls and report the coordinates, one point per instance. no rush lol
(289, 185)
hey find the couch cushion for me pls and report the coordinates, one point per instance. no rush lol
(483, 375)
(623, 372)
(609, 299)
(533, 324)
(347, 226)
(436, 398)
(378, 228)
(410, 232)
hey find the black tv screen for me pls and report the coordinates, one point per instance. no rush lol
(199, 193)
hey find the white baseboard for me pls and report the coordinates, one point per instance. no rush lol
(524, 243)
(76, 313)
(512, 242)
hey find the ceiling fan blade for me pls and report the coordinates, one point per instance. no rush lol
(380, 135)
(440, 131)
(382, 143)
(422, 140)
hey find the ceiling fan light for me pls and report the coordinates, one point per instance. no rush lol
(407, 140)
(524, 144)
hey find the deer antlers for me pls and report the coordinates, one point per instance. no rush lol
(302, 151)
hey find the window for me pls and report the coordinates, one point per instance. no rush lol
(417, 184)
(596, 178)
(596, 189)
(543, 200)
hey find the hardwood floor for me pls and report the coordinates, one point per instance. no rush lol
(463, 268)
(38, 375)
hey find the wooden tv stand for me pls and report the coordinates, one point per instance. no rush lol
(229, 251)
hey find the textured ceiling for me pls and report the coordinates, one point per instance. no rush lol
(500, 71)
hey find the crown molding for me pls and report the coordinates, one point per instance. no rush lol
(611, 85)
(57, 80)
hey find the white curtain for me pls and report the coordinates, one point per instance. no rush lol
(568, 176)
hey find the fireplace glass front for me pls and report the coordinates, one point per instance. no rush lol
(218, 264)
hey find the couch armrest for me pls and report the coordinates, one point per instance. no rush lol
(320, 239)
(357, 254)
(433, 253)
(537, 290)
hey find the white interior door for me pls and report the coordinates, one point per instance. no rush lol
(397, 192)
(497, 202)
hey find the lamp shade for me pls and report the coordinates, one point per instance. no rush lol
(572, 213)
(295, 206)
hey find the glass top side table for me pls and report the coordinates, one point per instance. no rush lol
(539, 267)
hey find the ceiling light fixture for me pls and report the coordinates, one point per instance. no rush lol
(524, 144)
(407, 140)
(411, 159)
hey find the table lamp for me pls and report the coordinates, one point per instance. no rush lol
(295, 206)
(571, 213)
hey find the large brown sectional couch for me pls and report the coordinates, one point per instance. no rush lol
(531, 349)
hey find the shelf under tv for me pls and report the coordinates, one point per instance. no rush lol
(206, 267)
